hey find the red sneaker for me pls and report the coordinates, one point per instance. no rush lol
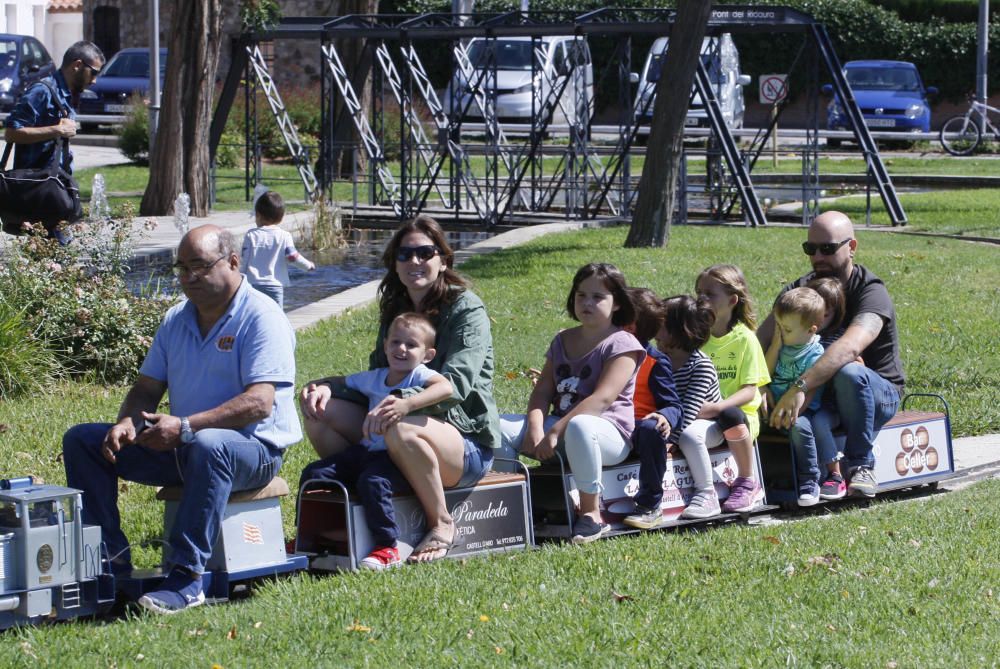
(382, 557)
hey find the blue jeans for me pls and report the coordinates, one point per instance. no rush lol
(276, 293)
(217, 463)
(864, 402)
(374, 477)
(476, 461)
(812, 439)
(651, 448)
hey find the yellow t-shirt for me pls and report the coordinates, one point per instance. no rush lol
(739, 361)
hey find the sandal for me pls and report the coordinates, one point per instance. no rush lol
(432, 547)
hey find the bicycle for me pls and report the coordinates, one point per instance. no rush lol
(960, 135)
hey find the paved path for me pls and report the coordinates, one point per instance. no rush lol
(88, 156)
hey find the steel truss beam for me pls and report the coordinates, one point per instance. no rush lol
(284, 121)
(515, 174)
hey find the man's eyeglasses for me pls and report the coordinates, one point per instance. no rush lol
(827, 249)
(94, 71)
(198, 270)
(422, 253)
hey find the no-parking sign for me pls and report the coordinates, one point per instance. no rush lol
(773, 88)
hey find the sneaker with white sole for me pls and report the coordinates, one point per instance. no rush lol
(703, 504)
(808, 493)
(862, 482)
(833, 487)
(382, 557)
(744, 496)
(644, 519)
(179, 591)
(586, 530)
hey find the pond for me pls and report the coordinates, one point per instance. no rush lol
(337, 270)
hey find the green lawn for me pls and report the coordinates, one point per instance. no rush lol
(820, 592)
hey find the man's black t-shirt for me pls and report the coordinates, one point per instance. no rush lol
(865, 293)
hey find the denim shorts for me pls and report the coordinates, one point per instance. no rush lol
(475, 463)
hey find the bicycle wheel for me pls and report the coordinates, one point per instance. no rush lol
(960, 135)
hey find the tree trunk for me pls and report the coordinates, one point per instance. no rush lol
(658, 184)
(179, 161)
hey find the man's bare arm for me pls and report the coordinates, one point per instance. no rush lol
(859, 335)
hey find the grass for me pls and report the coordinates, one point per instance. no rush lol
(974, 213)
(850, 608)
(815, 593)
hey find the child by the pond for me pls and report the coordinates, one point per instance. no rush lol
(267, 249)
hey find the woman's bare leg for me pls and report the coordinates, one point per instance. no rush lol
(431, 455)
(339, 427)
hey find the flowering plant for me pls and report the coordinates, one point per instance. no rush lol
(77, 300)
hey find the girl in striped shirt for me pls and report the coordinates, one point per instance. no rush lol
(687, 325)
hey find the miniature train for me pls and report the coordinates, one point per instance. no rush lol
(53, 566)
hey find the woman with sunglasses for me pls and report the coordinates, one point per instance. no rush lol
(449, 444)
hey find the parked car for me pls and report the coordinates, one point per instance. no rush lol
(557, 57)
(23, 61)
(890, 93)
(722, 60)
(125, 74)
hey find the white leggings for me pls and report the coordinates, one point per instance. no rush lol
(694, 443)
(588, 443)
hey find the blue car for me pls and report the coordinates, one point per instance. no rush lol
(127, 73)
(23, 61)
(891, 96)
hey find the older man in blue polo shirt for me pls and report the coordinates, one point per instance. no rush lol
(226, 355)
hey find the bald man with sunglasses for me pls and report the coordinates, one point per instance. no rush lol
(860, 398)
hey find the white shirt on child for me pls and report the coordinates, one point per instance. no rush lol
(267, 250)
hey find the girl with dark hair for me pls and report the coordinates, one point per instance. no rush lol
(449, 444)
(582, 403)
(687, 325)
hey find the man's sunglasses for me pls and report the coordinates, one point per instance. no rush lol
(94, 71)
(422, 253)
(827, 249)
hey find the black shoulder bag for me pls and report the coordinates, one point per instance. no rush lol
(47, 195)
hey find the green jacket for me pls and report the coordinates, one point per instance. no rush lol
(465, 357)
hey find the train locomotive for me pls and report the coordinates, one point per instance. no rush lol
(51, 564)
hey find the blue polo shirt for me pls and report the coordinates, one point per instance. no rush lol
(253, 342)
(36, 109)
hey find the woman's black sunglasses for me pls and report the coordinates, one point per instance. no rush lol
(423, 253)
(825, 249)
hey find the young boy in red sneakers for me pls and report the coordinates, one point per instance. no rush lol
(409, 344)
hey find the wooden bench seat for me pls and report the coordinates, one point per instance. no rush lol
(278, 487)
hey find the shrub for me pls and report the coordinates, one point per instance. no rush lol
(133, 137)
(25, 364)
(76, 301)
(231, 151)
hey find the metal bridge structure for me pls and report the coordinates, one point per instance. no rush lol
(457, 156)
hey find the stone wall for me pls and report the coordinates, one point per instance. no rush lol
(296, 62)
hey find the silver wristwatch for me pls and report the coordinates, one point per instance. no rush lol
(800, 383)
(187, 434)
